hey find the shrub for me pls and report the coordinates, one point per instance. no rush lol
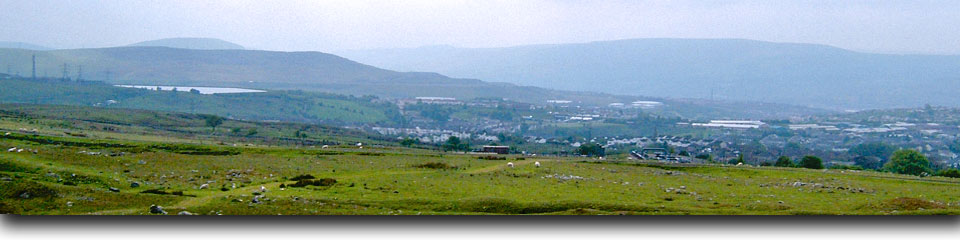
(846, 167)
(489, 157)
(870, 162)
(408, 142)
(316, 182)
(811, 162)
(436, 165)
(302, 177)
(908, 162)
(954, 173)
(155, 191)
(590, 149)
(784, 161)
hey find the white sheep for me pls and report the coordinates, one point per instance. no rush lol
(739, 164)
(536, 164)
(263, 189)
(12, 149)
(510, 164)
(325, 146)
(204, 186)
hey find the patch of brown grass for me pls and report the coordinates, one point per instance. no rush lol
(911, 204)
(436, 165)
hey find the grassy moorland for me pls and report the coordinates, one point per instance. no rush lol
(83, 161)
(286, 106)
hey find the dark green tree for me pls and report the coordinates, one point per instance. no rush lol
(784, 161)
(454, 144)
(868, 162)
(954, 173)
(873, 149)
(408, 142)
(590, 149)
(213, 121)
(811, 162)
(908, 162)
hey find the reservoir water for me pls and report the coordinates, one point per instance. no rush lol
(203, 90)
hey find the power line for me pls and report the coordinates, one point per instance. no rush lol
(34, 73)
(65, 72)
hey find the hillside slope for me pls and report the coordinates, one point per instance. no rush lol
(802, 74)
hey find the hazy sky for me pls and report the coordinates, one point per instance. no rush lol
(876, 26)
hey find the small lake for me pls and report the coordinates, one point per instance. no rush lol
(203, 90)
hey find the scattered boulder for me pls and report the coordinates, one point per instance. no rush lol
(25, 195)
(134, 184)
(184, 213)
(204, 186)
(113, 189)
(157, 209)
(69, 204)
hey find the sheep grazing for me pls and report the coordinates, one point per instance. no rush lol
(12, 149)
(537, 164)
(325, 146)
(204, 186)
(510, 164)
(739, 164)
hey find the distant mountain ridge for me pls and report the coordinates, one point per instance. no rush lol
(190, 43)
(258, 69)
(23, 45)
(318, 71)
(732, 69)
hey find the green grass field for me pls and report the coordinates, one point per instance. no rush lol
(87, 164)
